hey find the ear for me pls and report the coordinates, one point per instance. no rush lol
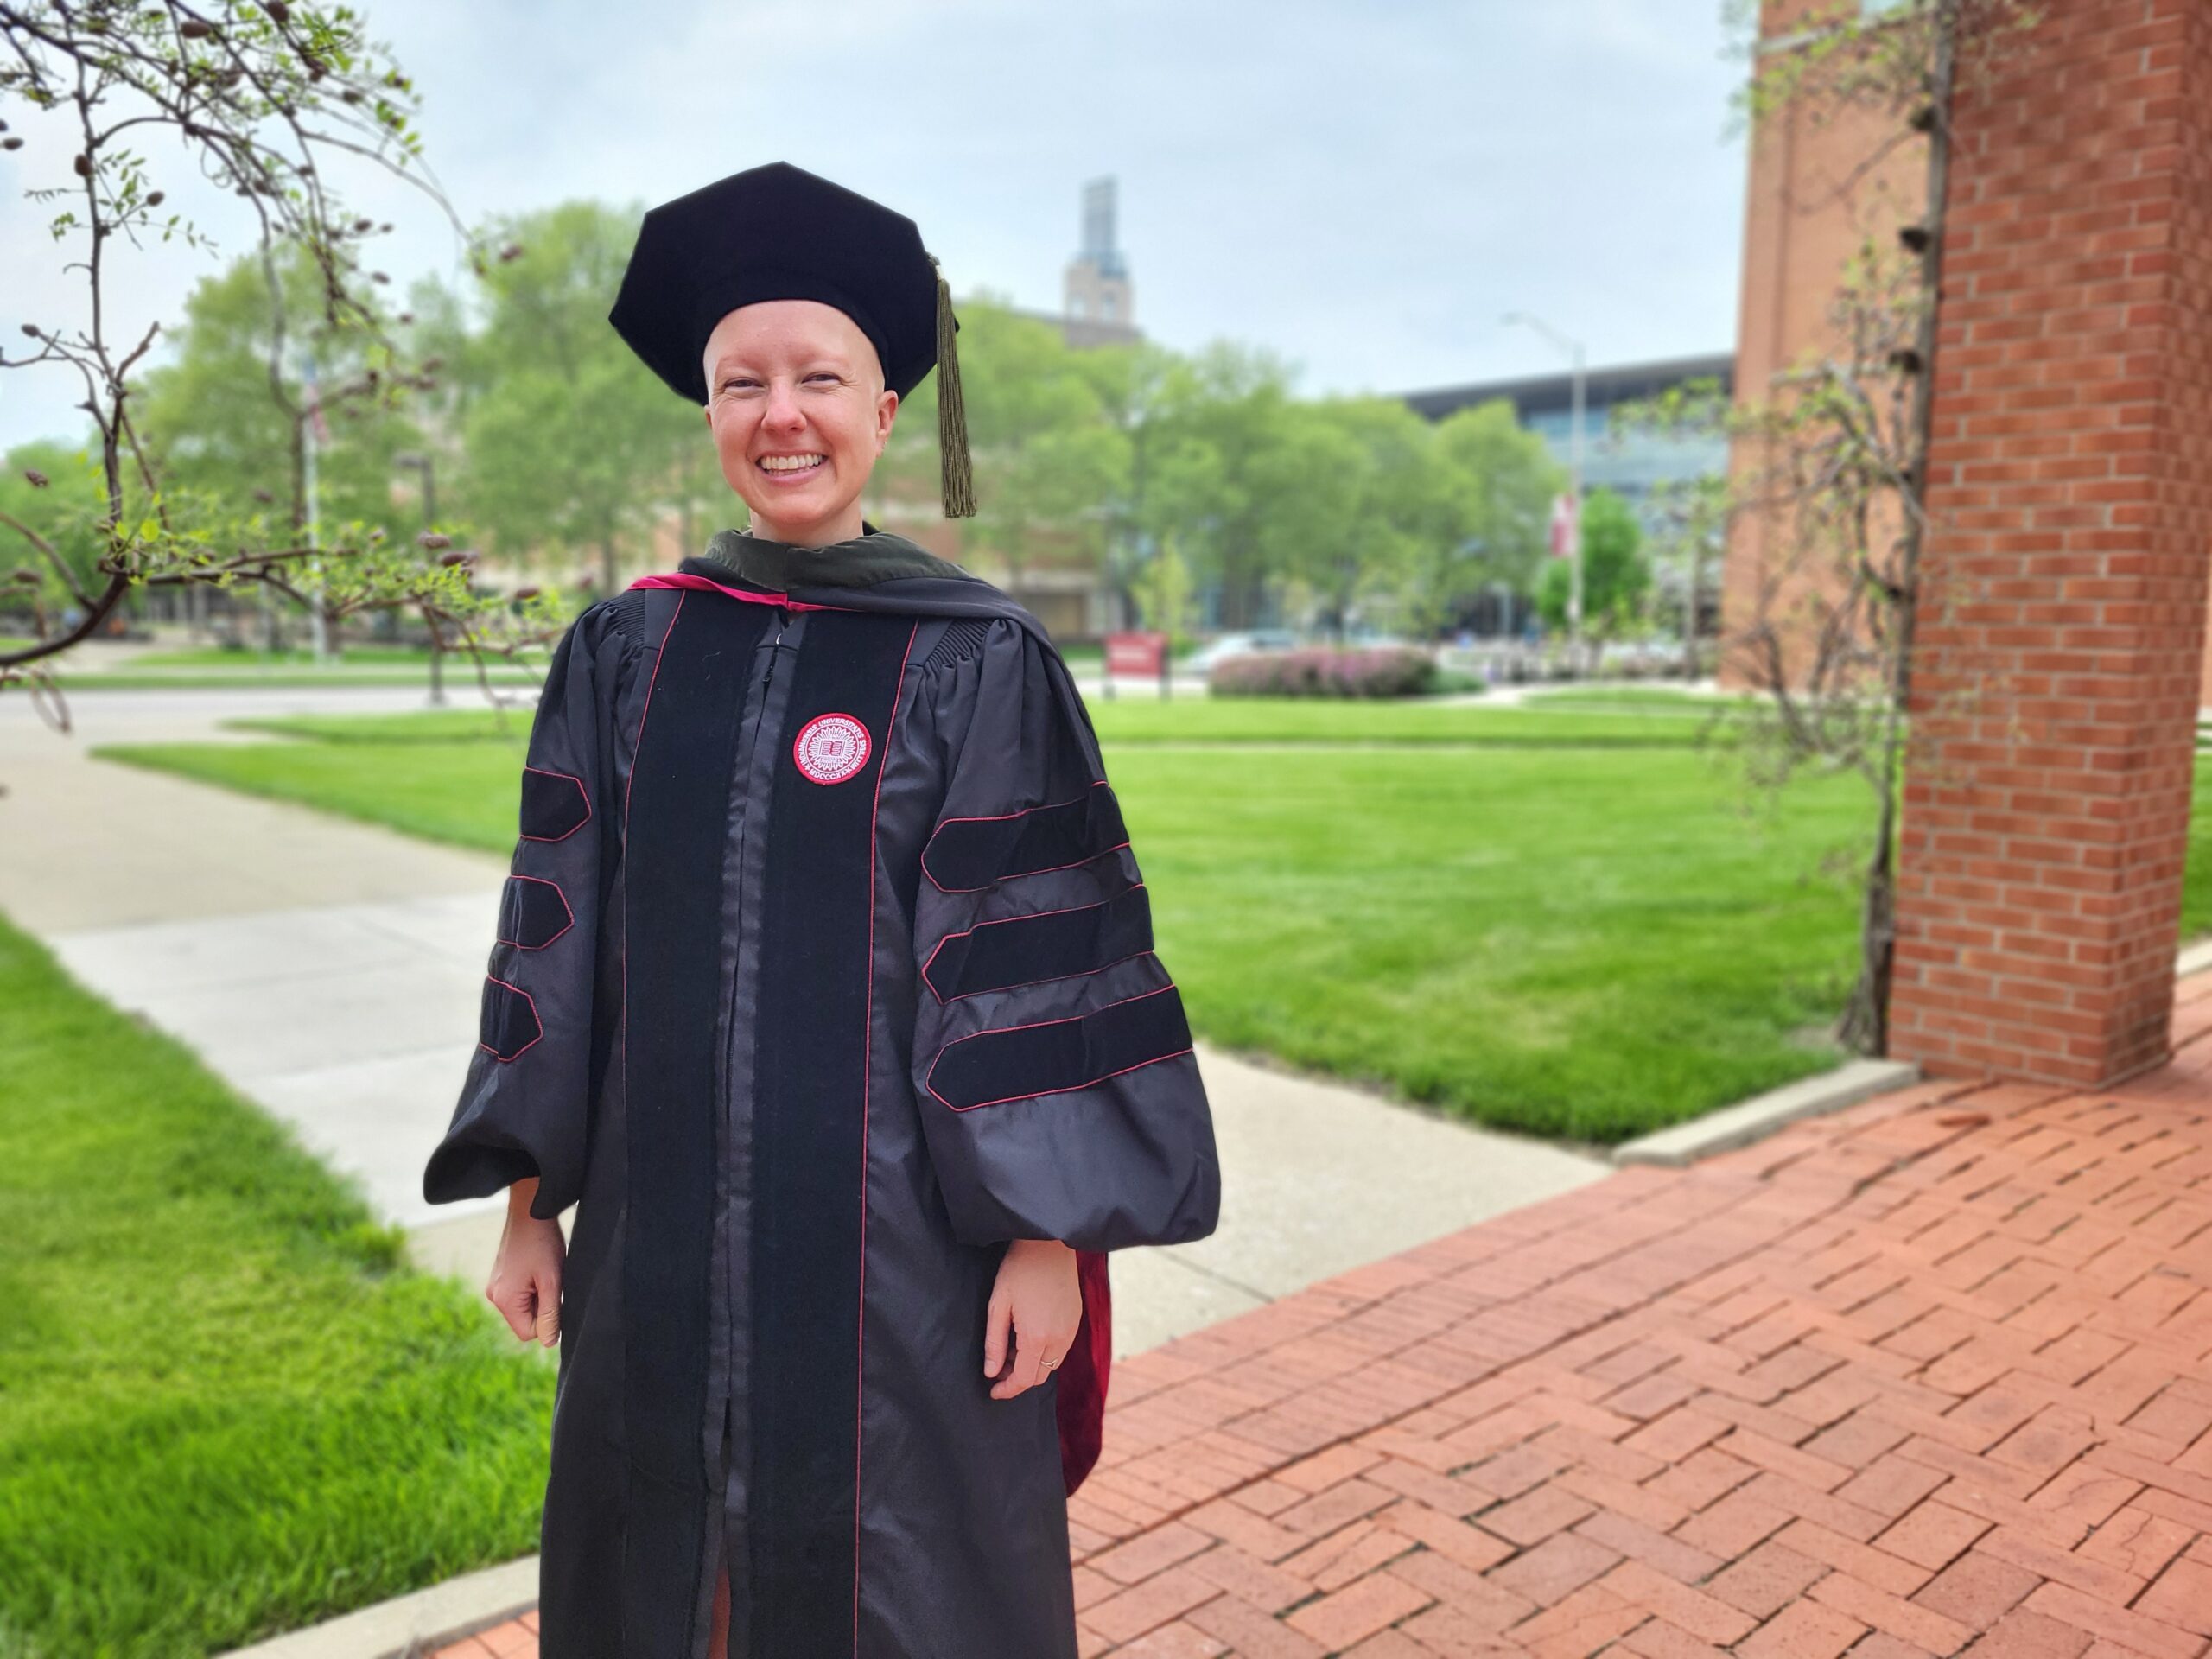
(886, 412)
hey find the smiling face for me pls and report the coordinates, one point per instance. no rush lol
(796, 403)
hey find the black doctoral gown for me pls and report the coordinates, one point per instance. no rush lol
(825, 969)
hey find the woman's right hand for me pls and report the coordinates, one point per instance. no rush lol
(526, 1282)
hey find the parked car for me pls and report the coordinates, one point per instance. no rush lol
(1361, 639)
(1238, 644)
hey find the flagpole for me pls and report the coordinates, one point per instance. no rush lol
(1574, 349)
(1574, 597)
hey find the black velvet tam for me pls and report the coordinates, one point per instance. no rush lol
(776, 232)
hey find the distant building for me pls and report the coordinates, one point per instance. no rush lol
(1629, 464)
(1098, 305)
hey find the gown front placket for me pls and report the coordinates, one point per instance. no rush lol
(765, 693)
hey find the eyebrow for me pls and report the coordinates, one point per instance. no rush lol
(729, 363)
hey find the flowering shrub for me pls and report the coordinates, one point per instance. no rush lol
(1323, 671)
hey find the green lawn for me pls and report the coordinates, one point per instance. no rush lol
(466, 793)
(211, 667)
(229, 1411)
(1573, 942)
(1127, 720)
(1557, 922)
(1643, 694)
(283, 679)
(224, 656)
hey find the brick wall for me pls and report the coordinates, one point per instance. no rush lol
(2046, 810)
(1810, 198)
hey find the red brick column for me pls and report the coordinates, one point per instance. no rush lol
(2047, 808)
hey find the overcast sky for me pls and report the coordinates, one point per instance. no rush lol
(1362, 187)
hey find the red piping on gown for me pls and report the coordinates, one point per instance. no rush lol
(685, 579)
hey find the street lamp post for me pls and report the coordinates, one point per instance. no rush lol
(312, 430)
(429, 520)
(1574, 349)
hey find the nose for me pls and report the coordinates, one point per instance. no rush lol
(782, 413)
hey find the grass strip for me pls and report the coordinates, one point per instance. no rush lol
(1129, 720)
(230, 1410)
(1578, 941)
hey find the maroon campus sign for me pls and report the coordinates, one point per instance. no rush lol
(1137, 653)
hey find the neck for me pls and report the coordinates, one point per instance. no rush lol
(844, 525)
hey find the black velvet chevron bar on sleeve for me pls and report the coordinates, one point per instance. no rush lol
(1052, 1061)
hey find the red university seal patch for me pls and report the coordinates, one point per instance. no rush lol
(830, 749)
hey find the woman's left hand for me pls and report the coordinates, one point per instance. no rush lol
(1037, 1297)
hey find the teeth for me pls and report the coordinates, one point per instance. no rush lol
(788, 463)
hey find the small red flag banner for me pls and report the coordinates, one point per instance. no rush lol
(1562, 526)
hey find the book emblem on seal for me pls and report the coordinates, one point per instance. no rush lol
(830, 749)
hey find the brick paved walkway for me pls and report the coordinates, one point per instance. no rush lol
(1929, 1376)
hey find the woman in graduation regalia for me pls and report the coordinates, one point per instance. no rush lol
(824, 989)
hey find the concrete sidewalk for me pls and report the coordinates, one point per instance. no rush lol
(330, 971)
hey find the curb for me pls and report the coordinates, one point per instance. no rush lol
(410, 1626)
(1754, 1119)
(1762, 1115)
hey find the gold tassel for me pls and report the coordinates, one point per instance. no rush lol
(956, 480)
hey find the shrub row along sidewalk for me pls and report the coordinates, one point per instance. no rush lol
(1927, 1378)
(226, 1409)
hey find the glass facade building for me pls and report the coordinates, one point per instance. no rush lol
(1629, 464)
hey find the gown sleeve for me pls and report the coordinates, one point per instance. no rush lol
(1052, 1064)
(524, 1108)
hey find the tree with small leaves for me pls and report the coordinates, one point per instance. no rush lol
(1830, 460)
(258, 94)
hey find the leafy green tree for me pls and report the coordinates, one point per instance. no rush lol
(1130, 382)
(1163, 595)
(57, 513)
(569, 444)
(1114, 453)
(222, 422)
(1401, 505)
(1224, 474)
(1615, 574)
(1044, 456)
(436, 327)
(1511, 479)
